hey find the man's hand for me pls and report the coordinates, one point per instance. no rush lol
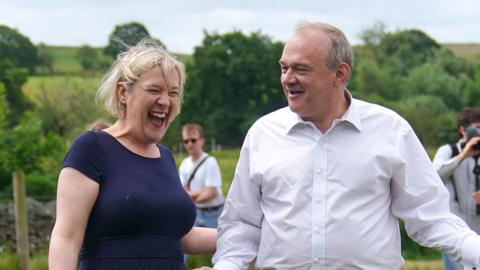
(476, 197)
(469, 149)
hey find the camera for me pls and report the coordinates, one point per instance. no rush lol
(471, 132)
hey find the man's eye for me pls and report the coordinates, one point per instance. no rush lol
(301, 70)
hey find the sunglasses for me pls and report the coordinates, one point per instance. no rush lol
(193, 141)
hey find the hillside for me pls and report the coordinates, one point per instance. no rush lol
(65, 60)
(464, 50)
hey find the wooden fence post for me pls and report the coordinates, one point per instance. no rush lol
(21, 219)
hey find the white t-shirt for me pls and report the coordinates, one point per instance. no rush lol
(207, 175)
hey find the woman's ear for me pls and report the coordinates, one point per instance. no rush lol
(122, 92)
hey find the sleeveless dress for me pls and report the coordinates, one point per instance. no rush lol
(141, 211)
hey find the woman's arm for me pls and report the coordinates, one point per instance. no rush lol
(76, 195)
(200, 241)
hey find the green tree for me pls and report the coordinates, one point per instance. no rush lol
(125, 35)
(430, 79)
(45, 59)
(26, 148)
(404, 50)
(233, 79)
(17, 48)
(431, 119)
(13, 77)
(88, 57)
(3, 107)
(371, 38)
(67, 106)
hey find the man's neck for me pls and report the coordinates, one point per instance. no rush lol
(196, 156)
(324, 120)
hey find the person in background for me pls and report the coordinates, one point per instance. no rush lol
(99, 125)
(201, 178)
(322, 183)
(455, 163)
(120, 204)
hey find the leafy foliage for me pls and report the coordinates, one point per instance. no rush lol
(3, 107)
(409, 72)
(125, 35)
(13, 77)
(45, 60)
(233, 79)
(65, 104)
(26, 148)
(88, 57)
(17, 48)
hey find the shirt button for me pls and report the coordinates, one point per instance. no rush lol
(317, 230)
(316, 260)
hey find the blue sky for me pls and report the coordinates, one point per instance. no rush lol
(180, 23)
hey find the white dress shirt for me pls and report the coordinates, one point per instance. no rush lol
(207, 175)
(451, 170)
(301, 199)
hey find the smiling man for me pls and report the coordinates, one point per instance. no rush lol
(322, 183)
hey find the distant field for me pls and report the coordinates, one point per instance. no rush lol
(36, 84)
(65, 59)
(467, 50)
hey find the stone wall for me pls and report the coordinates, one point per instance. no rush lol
(41, 217)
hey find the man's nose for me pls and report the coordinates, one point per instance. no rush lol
(288, 77)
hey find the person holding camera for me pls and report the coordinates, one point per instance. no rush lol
(458, 167)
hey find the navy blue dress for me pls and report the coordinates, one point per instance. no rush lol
(141, 212)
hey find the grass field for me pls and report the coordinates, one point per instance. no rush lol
(35, 84)
(65, 59)
(464, 50)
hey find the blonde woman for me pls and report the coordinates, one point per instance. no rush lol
(120, 203)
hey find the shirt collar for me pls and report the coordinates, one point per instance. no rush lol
(352, 115)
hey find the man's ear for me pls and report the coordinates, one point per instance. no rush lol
(461, 130)
(122, 93)
(342, 73)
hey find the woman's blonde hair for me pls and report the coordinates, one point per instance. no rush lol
(128, 68)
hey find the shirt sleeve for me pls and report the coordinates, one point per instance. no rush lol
(84, 156)
(240, 223)
(421, 200)
(213, 175)
(444, 163)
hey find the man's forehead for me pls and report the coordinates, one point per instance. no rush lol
(191, 132)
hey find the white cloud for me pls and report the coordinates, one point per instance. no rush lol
(179, 23)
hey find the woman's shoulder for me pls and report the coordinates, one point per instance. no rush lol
(85, 139)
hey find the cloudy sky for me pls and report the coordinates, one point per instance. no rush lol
(180, 23)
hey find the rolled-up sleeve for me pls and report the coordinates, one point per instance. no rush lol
(239, 228)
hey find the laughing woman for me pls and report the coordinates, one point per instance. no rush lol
(120, 203)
